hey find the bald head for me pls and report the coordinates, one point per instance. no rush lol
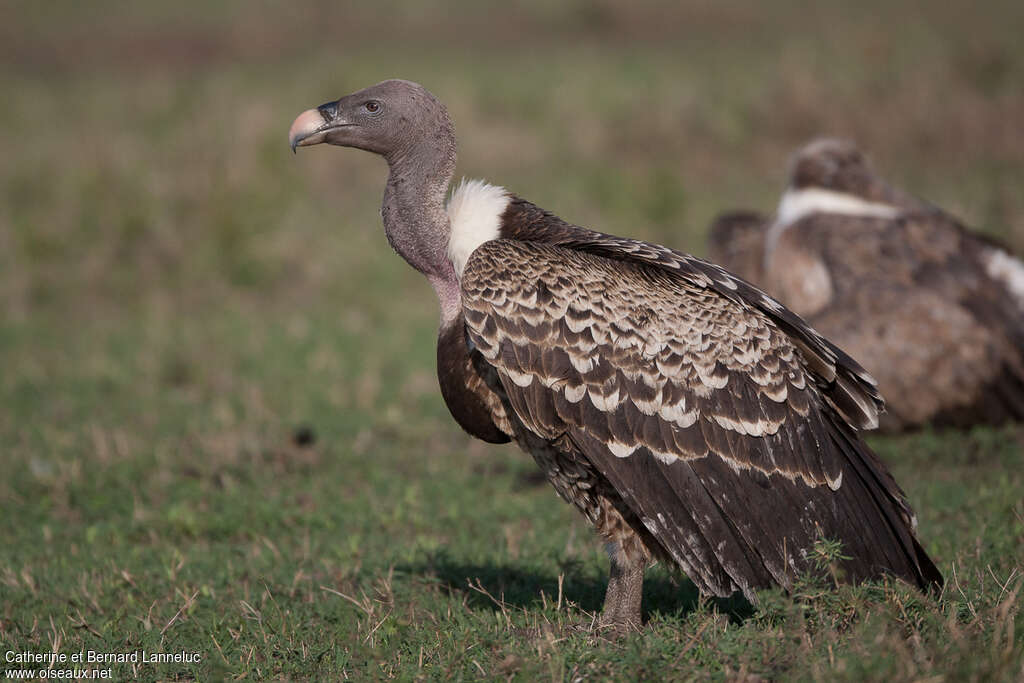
(832, 164)
(394, 118)
(840, 167)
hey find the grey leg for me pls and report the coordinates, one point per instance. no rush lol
(625, 587)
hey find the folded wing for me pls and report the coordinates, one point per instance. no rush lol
(704, 411)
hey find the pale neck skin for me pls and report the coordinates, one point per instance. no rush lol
(415, 220)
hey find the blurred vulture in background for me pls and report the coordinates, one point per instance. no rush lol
(934, 311)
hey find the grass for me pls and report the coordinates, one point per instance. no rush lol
(221, 431)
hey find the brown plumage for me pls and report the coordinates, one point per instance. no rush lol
(933, 311)
(690, 417)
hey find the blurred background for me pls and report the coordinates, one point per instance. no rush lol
(145, 167)
(206, 341)
(160, 246)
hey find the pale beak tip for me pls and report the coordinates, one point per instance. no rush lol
(305, 124)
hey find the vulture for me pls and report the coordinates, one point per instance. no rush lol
(934, 311)
(691, 418)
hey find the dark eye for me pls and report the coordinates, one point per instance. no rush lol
(372, 106)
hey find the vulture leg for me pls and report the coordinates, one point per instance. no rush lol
(625, 587)
(629, 558)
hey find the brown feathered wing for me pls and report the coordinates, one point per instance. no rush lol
(715, 413)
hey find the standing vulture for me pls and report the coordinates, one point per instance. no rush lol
(691, 418)
(932, 310)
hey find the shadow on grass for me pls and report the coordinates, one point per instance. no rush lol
(521, 586)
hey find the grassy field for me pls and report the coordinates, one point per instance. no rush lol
(220, 429)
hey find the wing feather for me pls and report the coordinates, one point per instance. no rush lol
(525, 221)
(721, 444)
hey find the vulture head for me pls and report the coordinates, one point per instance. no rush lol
(832, 164)
(840, 168)
(394, 118)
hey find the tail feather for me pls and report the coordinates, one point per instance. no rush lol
(904, 556)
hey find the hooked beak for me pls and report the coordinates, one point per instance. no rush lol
(311, 126)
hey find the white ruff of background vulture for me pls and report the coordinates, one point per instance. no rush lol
(690, 417)
(1005, 268)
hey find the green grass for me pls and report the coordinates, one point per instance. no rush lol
(179, 297)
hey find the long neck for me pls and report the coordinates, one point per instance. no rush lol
(415, 220)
